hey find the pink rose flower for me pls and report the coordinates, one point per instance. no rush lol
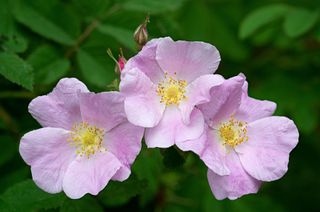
(244, 144)
(85, 141)
(163, 83)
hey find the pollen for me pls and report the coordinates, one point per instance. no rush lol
(87, 139)
(171, 90)
(233, 132)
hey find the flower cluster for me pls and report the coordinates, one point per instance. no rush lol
(169, 94)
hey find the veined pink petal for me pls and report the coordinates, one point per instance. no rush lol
(189, 60)
(265, 155)
(252, 109)
(224, 102)
(124, 141)
(49, 154)
(90, 175)
(192, 130)
(142, 104)
(214, 154)
(146, 61)
(198, 92)
(171, 129)
(195, 145)
(104, 110)
(234, 185)
(60, 108)
(163, 134)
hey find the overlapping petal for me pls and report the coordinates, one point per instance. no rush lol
(60, 108)
(142, 104)
(214, 155)
(124, 141)
(234, 185)
(90, 175)
(195, 145)
(146, 61)
(198, 92)
(189, 60)
(171, 129)
(252, 109)
(104, 110)
(224, 102)
(49, 154)
(265, 155)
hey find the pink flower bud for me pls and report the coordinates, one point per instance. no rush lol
(121, 62)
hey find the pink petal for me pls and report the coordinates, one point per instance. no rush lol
(49, 154)
(189, 60)
(252, 109)
(163, 134)
(171, 129)
(60, 108)
(142, 104)
(225, 100)
(90, 175)
(235, 185)
(195, 145)
(265, 155)
(192, 130)
(124, 142)
(104, 110)
(146, 61)
(198, 92)
(122, 174)
(214, 154)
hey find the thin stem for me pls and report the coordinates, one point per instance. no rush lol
(88, 30)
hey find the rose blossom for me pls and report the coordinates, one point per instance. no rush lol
(163, 83)
(85, 141)
(245, 144)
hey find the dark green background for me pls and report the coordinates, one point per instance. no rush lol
(276, 44)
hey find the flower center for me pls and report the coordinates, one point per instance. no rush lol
(171, 91)
(233, 132)
(87, 139)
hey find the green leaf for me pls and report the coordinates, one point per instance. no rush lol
(86, 203)
(93, 71)
(6, 19)
(4, 206)
(261, 17)
(118, 193)
(50, 68)
(153, 6)
(124, 36)
(299, 21)
(15, 44)
(15, 176)
(26, 196)
(42, 25)
(10, 38)
(92, 7)
(16, 70)
(215, 31)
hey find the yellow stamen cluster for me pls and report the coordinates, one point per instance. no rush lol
(172, 91)
(87, 139)
(233, 132)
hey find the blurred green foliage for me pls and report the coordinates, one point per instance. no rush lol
(276, 44)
